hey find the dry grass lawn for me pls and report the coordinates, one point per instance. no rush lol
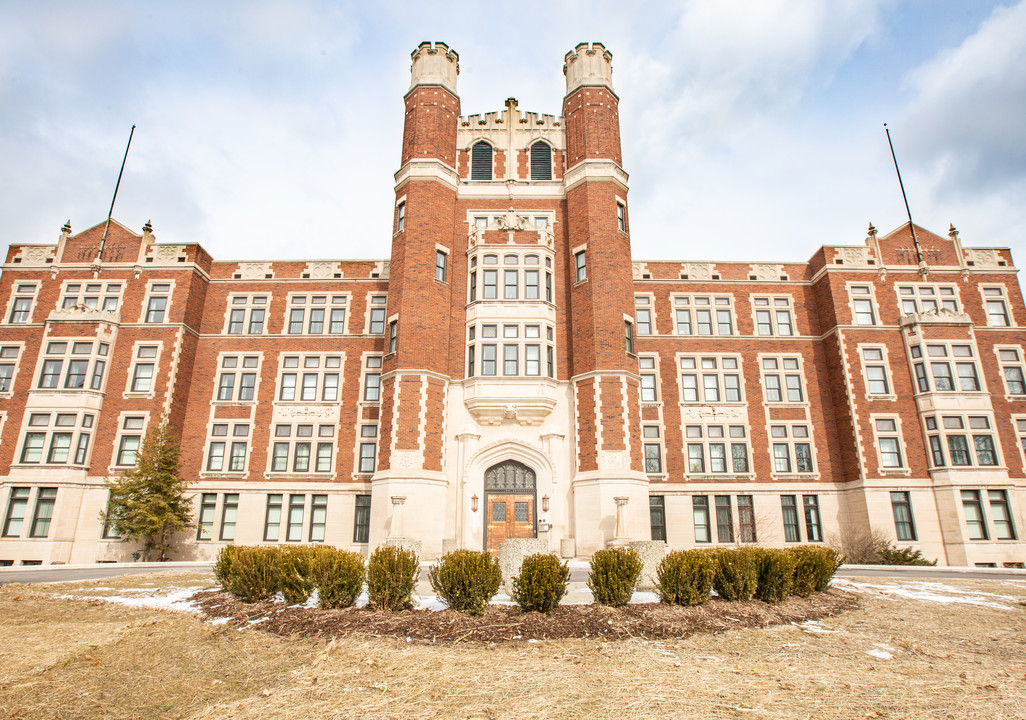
(87, 658)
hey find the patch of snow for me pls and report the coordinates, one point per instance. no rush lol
(219, 621)
(362, 599)
(501, 599)
(928, 592)
(881, 654)
(176, 600)
(641, 597)
(429, 602)
(812, 627)
(258, 620)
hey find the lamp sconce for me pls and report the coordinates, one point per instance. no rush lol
(545, 503)
(473, 503)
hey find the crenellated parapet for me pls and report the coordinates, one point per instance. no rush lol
(588, 64)
(434, 64)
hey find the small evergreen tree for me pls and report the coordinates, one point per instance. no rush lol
(148, 502)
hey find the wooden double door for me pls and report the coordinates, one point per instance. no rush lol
(509, 516)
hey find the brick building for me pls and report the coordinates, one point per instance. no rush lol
(511, 371)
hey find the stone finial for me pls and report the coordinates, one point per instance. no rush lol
(588, 64)
(872, 229)
(434, 64)
(148, 227)
(952, 232)
(66, 230)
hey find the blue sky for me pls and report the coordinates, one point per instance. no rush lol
(752, 130)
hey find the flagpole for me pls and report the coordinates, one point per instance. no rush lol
(110, 213)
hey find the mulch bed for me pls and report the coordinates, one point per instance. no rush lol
(502, 624)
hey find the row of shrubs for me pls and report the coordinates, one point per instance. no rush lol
(466, 580)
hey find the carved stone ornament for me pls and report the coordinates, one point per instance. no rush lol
(509, 412)
(405, 459)
(381, 269)
(307, 412)
(84, 313)
(854, 256)
(169, 253)
(511, 221)
(982, 257)
(321, 270)
(254, 270)
(36, 255)
(639, 270)
(697, 271)
(766, 272)
(614, 459)
(701, 413)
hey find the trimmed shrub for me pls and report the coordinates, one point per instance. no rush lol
(814, 566)
(776, 574)
(890, 555)
(295, 572)
(391, 576)
(338, 576)
(684, 577)
(466, 580)
(614, 573)
(737, 573)
(249, 573)
(541, 583)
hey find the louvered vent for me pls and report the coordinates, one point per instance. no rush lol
(541, 161)
(481, 162)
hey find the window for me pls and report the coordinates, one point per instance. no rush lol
(8, 363)
(927, 298)
(130, 437)
(368, 449)
(1012, 371)
(481, 161)
(393, 335)
(46, 498)
(237, 380)
(621, 217)
(707, 449)
(441, 264)
(628, 333)
(316, 314)
(21, 304)
(710, 379)
(229, 516)
(372, 379)
(649, 392)
(653, 449)
(272, 518)
(813, 530)
(205, 518)
(521, 349)
(997, 306)
(1000, 515)
(967, 439)
(700, 511)
(231, 439)
(643, 314)
(156, 302)
(862, 304)
(901, 507)
(888, 442)
(144, 362)
(17, 508)
(73, 365)
(361, 519)
(975, 523)
(773, 316)
(875, 371)
(95, 296)
(703, 315)
(400, 217)
(521, 277)
(296, 449)
(746, 518)
(947, 367)
(56, 438)
(792, 449)
(376, 316)
(789, 510)
(294, 528)
(541, 161)
(580, 267)
(724, 520)
(318, 517)
(782, 379)
(657, 517)
(309, 378)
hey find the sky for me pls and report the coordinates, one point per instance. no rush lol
(751, 129)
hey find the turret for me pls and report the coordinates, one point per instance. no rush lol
(432, 105)
(434, 64)
(590, 105)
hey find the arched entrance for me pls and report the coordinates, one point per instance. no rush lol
(510, 490)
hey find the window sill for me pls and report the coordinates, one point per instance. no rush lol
(795, 476)
(786, 405)
(718, 476)
(282, 475)
(226, 403)
(893, 472)
(138, 395)
(887, 398)
(231, 474)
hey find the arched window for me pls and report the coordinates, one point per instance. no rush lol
(541, 161)
(481, 161)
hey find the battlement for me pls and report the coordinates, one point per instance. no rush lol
(434, 64)
(588, 64)
(495, 120)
